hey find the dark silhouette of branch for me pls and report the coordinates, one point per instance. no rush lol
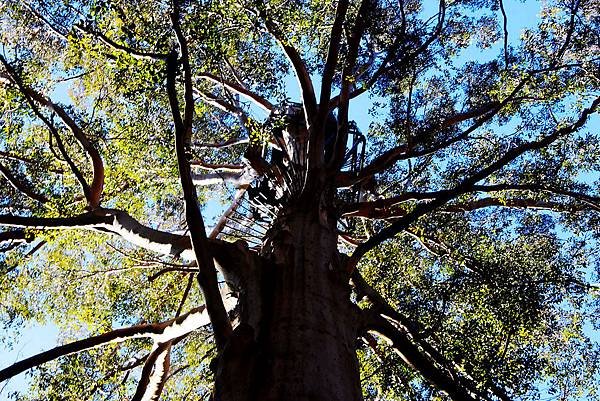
(21, 186)
(384, 208)
(304, 81)
(45, 21)
(354, 39)
(504, 24)
(55, 134)
(335, 39)
(207, 276)
(457, 389)
(415, 350)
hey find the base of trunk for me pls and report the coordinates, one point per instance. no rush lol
(298, 342)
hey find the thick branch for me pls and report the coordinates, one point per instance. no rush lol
(333, 52)
(304, 81)
(207, 277)
(416, 351)
(347, 79)
(122, 224)
(154, 373)
(414, 357)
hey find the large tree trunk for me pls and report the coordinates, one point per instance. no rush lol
(296, 339)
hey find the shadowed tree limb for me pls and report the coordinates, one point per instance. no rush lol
(317, 135)
(12, 236)
(504, 24)
(45, 21)
(444, 374)
(207, 276)
(10, 240)
(55, 134)
(335, 39)
(457, 389)
(354, 39)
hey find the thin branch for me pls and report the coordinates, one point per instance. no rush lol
(504, 25)
(94, 193)
(53, 134)
(138, 54)
(240, 90)
(466, 185)
(387, 65)
(20, 186)
(46, 22)
(402, 152)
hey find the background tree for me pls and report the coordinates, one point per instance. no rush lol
(464, 239)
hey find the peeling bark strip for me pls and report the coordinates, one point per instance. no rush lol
(159, 332)
(154, 374)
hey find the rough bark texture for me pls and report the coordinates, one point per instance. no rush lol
(298, 342)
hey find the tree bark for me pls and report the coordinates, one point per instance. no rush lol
(297, 342)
